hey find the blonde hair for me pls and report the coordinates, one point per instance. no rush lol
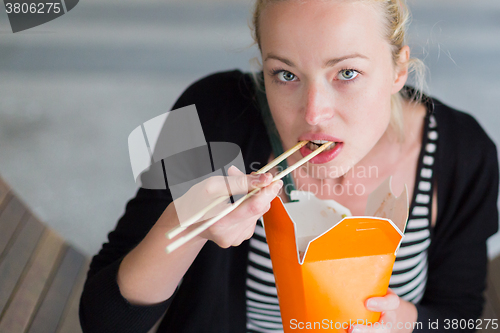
(397, 17)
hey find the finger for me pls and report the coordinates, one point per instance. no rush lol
(234, 171)
(260, 203)
(387, 303)
(229, 228)
(230, 232)
(251, 231)
(237, 230)
(360, 329)
(389, 317)
(378, 327)
(242, 184)
(217, 186)
(200, 198)
(246, 233)
(259, 180)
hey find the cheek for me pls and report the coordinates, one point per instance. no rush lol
(284, 119)
(376, 97)
(283, 110)
(370, 108)
(369, 119)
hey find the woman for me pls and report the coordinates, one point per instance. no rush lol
(336, 71)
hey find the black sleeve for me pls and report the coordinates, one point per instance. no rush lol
(102, 307)
(468, 216)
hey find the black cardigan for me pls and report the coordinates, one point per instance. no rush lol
(211, 297)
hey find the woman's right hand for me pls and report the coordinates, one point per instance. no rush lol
(148, 260)
(237, 226)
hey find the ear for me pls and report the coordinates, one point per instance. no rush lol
(401, 71)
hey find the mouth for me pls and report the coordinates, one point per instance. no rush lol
(326, 155)
(313, 145)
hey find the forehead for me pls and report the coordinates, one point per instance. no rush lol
(316, 29)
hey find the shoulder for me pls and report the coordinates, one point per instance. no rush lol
(225, 101)
(218, 90)
(228, 110)
(467, 173)
(463, 143)
(460, 127)
(464, 147)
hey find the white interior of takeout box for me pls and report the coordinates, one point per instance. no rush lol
(312, 217)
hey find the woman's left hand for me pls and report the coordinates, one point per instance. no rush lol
(396, 314)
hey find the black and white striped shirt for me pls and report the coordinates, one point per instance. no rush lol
(409, 275)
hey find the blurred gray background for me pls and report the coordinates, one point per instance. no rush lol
(73, 89)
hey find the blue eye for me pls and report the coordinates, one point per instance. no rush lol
(286, 76)
(347, 74)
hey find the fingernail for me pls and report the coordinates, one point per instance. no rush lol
(372, 303)
(264, 178)
(278, 184)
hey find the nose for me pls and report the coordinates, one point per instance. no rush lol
(319, 106)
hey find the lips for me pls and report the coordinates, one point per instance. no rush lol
(313, 145)
(318, 136)
(325, 156)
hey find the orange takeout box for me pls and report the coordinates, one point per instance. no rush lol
(327, 263)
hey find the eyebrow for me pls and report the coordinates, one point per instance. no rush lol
(328, 63)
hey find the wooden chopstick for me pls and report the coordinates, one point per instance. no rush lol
(184, 239)
(177, 230)
(280, 158)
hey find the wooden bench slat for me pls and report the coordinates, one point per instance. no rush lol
(49, 313)
(494, 285)
(4, 189)
(70, 322)
(488, 313)
(8, 196)
(9, 219)
(20, 311)
(4, 199)
(17, 257)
